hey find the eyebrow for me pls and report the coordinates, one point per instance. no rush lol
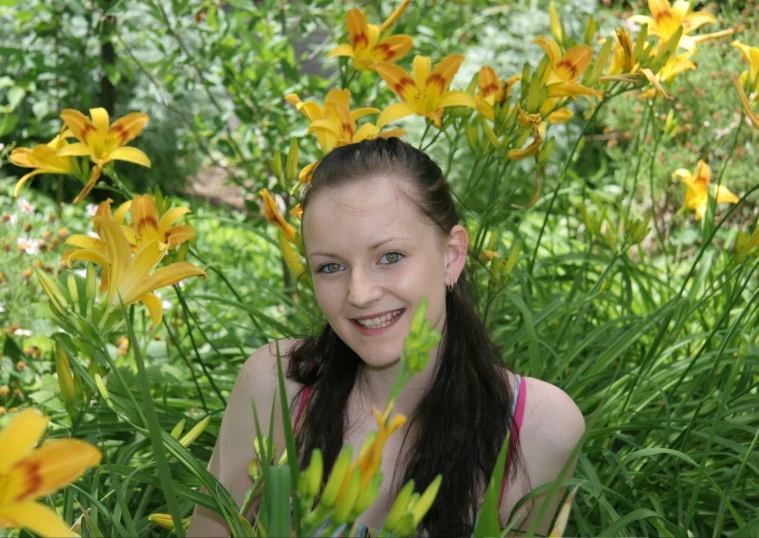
(373, 247)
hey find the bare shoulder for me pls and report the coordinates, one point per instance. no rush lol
(553, 424)
(262, 364)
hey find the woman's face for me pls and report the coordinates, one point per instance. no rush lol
(372, 254)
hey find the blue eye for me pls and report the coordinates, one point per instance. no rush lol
(398, 257)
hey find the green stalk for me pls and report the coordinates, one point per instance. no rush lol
(154, 428)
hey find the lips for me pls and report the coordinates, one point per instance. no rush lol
(372, 316)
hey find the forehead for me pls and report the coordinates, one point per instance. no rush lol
(360, 214)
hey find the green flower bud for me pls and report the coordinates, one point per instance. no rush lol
(91, 285)
(195, 432)
(425, 501)
(336, 477)
(276, 165)
(52, 290)
(399, 507)
(367, 496)
(254, 469)
(178, 429)
(73, 288)
(65, 376)
(348, 499)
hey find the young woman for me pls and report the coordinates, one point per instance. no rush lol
(381, 233)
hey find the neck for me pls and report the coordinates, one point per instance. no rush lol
(377, 383)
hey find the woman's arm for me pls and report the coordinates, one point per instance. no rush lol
(552, 427)
(256, 383)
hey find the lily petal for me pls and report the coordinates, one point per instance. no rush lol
(341, 50)
(168, 276)
(132, 155)
(393, 48)
(48, 468)
(36, 517)
(154, 306)
(128, 127)
(394, 112)
(19, 437)
(397, 79)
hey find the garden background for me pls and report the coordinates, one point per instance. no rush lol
(592, 270)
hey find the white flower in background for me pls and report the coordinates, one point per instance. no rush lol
(81, 272)
(30, 246)
(2, 146)
(13, 219)
(26, 207)
(91, 209)
(22, 332)
(2, 308)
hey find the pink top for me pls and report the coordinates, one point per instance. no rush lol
(520, 395)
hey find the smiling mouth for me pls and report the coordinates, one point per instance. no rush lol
(384, 321)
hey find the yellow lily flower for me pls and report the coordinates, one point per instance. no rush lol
(563, 71)
(491, 91)
(335, 125)
(426, 93)
(697, 195)
(149, 225)
(667, 18)
(674, 66)
(87, 241)
(102, 141)
(753, 116)
(623, 59)
(27, 473)
(44, 158)
(332, 124)
(750, 78)
(126, 277)
(365, 46)
(275, 217)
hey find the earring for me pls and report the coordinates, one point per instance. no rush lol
(450, 286)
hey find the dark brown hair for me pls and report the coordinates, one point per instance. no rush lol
(461, 421)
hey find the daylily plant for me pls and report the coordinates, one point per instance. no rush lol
(491, 91)
(697, 195)
(45, 159)
(564, 70)
(275, 217)
(129, 279)
(425, 93)
(102, 140)
(334, 124)
(149, 225)
(27, 473)
(667, 18)
(366, 46)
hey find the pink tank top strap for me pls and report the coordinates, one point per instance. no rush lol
(516, 425)
(301, 406)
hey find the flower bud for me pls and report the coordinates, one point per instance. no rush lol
(178, 429)
(91, 285)
(424, 503)
(348, 499)
(52, 290)
(399, 506)
(292, 161)
(314, 473)
(262, 447)
(73, 289)
(335, 480)
(366, 497)
(195, 432)
(254, 469)
(65, 376)
(276, 165)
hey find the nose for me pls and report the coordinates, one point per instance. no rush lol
(363, 290)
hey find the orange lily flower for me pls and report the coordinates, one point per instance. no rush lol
(667, 18)
(564, 70)
(102, 141)
(45, 159)
(126, 277)
(275, 217)
(149, 225)
(365, 46)
(492, 91)
(27, 473)
(697, 195)
(425, 93)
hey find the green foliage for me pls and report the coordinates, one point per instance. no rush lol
(593, 282)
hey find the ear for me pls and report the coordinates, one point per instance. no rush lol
(456, 249)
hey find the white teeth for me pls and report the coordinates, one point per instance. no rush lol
(382, 321)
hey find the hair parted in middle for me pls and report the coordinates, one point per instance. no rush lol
(463, 418)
